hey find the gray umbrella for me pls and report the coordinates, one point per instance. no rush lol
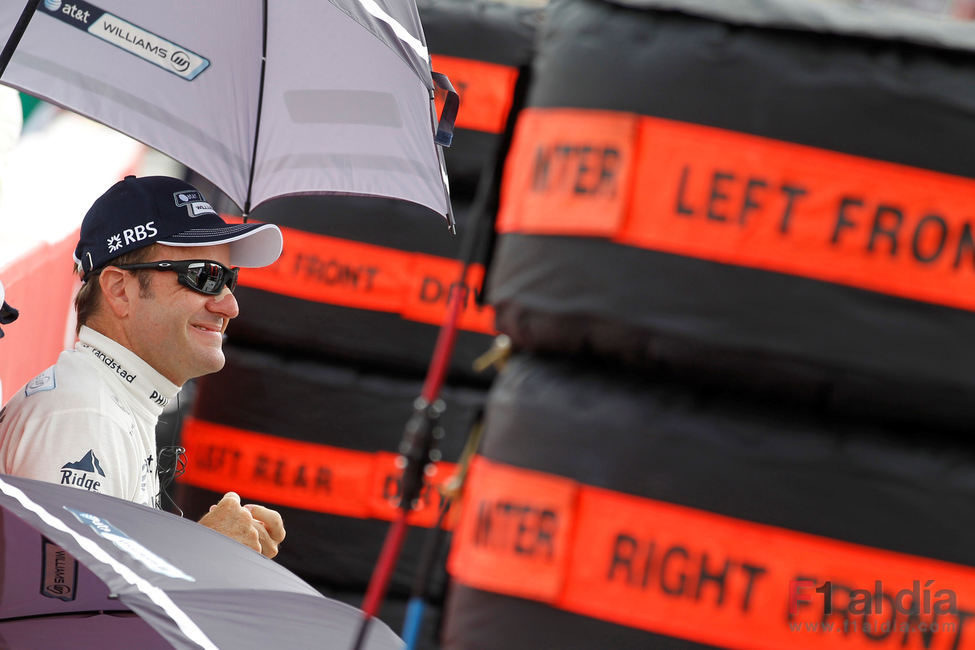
(264, 99)
(84, 570)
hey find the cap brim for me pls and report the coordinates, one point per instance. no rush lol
(252, 245)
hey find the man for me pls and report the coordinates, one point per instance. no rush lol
(155, 261)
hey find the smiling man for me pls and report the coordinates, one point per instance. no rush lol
(158, 267)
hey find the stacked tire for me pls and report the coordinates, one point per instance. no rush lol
(741, 297)
(333, 341)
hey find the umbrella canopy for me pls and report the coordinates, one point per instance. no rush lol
(83, 570)
(263, 99)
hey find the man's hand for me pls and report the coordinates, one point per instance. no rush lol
(255, 526)
(270, 528)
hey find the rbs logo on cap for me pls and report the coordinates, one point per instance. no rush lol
(131, 236)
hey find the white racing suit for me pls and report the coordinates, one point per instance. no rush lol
(89, 422)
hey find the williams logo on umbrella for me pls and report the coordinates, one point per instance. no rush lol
(59, 577)
(138, 41)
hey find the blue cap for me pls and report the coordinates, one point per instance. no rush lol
(138, 212)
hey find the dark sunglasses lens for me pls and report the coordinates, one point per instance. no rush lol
(206, 277)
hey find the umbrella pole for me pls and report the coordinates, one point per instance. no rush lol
(422, 430)
(17, 34)
(484, 199)
(435, 537)
(418, 441)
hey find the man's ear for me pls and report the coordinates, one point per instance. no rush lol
(113, 283)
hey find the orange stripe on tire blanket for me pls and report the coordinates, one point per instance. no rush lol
(644, 512)
(702, 223)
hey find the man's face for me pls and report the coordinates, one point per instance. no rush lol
(178, 331)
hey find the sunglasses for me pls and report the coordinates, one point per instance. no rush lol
(204, 276)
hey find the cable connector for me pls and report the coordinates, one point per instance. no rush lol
(418, 449)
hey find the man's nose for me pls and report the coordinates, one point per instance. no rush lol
(225, 304)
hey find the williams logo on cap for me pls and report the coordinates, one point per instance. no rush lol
(194, 202)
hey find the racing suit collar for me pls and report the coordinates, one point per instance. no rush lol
(147, 386)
